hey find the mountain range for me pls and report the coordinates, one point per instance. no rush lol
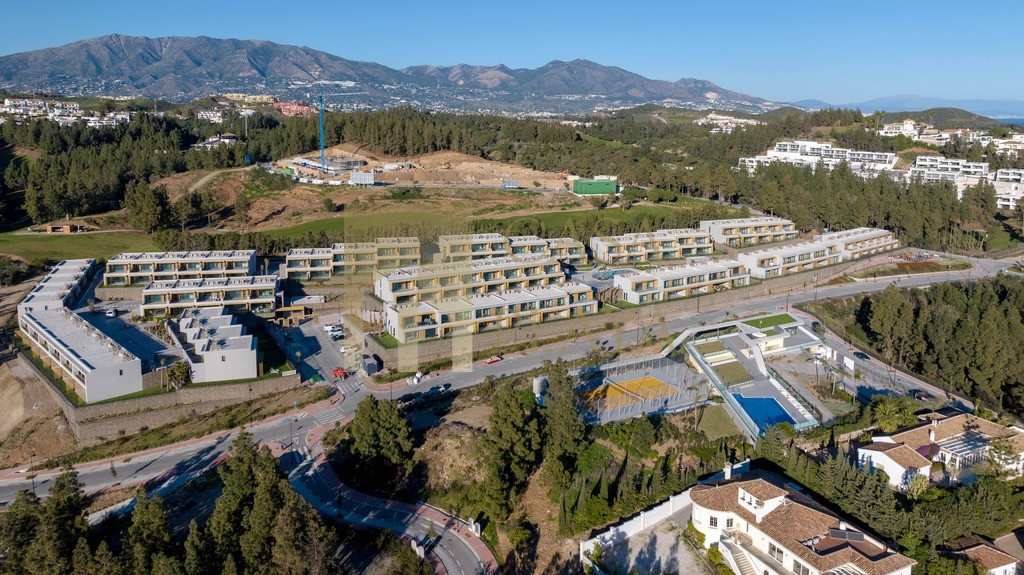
(911, 103)
(186, 68)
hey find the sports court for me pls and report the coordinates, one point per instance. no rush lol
(626, 390)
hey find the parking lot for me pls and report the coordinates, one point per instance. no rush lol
(129, 335)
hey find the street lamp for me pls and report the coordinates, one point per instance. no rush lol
(31, 464)
(787, 302)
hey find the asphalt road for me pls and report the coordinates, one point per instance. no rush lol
(289, 432)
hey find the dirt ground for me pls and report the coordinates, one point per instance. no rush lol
(32, 421)
(441, 168)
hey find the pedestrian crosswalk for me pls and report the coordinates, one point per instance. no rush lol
(348, 387)
(328, 417)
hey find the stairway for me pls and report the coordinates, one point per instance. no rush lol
(741, 559)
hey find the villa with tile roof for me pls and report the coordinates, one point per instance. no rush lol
(763, 528)
(984, 555)
(956, 439)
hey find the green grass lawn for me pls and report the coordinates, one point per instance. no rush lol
(57, 247)
(710, 347)
(770, 321)
(716, 423)
(731, 373)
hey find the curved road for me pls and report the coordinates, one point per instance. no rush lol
(457, 550)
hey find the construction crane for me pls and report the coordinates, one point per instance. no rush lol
(323, 149)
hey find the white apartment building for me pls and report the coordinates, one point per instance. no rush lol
(774, 262)
(418, 321)
(95, 366)
(860, 242)
(1009, 175)
(216, 348)
(569, 251)
(258, 294)
(925, 164)
(806, 153)
(742, 232)
(647, 247)
(668, 283)
(1008, 194)
(352, 258)
(468, 247)
(763, 528)
(137, 268)
(433, 282)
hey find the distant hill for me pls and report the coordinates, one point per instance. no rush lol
(945, 118)
(186, 68)
(991, 108)
(780, 113)
(811, 104)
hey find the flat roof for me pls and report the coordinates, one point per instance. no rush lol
(476, 301)
(855, 233)
(211, 283)
(473, 266)
(673, 272)
(795, 249)
(471, 237)
(741, 221)
(90, 347)
(182, 256)
(656, 235)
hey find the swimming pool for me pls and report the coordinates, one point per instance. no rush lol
(764, 411)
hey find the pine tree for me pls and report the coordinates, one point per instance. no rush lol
(18, 526)
(148, 533)
(196, 550)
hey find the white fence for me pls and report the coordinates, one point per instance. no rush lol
(630, 527)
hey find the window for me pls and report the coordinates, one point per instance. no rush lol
(120, 372)
(223, 358)
(728, 522)
(713, 521)
(799, 569)
(775, 552)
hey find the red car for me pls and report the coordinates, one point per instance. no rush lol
(339, 372)
(492, 360)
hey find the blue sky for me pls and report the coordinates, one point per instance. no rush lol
(837, 51)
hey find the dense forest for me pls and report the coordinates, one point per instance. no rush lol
(258, 525)
(966, 336)
(83, 171)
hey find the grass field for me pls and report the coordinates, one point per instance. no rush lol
(905, 268)
(34, 247)
(716, 423)
(731, 373)
(710, 347)
(770, 321)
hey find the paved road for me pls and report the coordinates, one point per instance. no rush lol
(291, 433)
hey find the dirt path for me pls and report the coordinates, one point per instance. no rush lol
(206, 179)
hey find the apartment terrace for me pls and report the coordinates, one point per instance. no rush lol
(417, 321)
(438, 281)
(860, 242)
(651, 246)
(143, 267)
(251, 293)
(668, 283)
(774, 262)
(468, 247)
(741, 232)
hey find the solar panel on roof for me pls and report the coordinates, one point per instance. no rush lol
(846, 535)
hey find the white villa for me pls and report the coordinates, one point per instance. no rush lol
(762, 528)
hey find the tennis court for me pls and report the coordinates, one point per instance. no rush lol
(613, 394)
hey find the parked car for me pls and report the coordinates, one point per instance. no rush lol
(336, 335)
(340, 372)
(493, 359)
(111, 312)
(922, 395)
(861, 356)
(408, 399)
(348, 348)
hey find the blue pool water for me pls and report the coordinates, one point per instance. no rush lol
(764, 411)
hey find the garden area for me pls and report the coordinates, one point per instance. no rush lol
(731, 373)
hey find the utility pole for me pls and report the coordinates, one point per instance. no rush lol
(323, 153)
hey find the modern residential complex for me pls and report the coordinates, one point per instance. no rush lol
(762, 527)
(469, 247)
(95, 366)
(352, 258)
(215, 347)
(648, 247)
(813, 154)
(569, 251)
(258, 294)
(958, 440)
(907, 128)
(939, 168)
(141, 268)
(448, 280)
(742, 232)
(416, 321)
(667, 283)
(773, 262)
(860, 242)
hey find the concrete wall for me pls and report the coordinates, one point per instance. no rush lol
(118, 293)
(407, 357)
(93, 424)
